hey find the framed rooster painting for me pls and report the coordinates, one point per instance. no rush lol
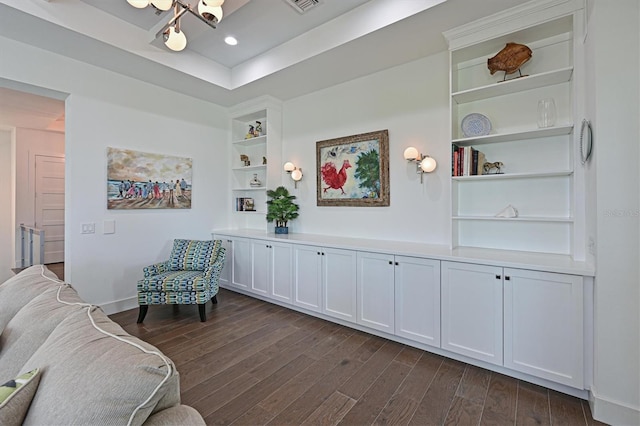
(353, 170)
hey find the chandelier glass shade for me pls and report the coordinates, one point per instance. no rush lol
(208, 11)
(138, 4)
(175, 39)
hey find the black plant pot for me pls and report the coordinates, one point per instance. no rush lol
(282, 230)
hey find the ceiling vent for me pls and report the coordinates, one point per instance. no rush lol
(302, 6)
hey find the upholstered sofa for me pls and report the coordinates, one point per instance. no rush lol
(87, 370)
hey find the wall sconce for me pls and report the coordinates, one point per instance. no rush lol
(296, 173)
(424, 163)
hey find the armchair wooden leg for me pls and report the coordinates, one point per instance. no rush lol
(142, 313)
(203, 312)
(214, 299)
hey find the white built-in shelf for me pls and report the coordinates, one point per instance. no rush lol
(250, 168)
(515, 85)
(516, 219)
(501, 176)
(560, 130)
(251, 188)
(251, 141)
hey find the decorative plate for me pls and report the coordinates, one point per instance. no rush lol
(475, 124)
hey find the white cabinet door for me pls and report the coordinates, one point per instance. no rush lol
(261, 264)
(375, 291)
(280, 272)
(307, 279)
(339, 283)
(241, 266)
(472, 310)
(225, 274)
(417, 299)
(543, 325)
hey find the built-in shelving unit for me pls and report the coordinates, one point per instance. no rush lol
(263, 151)
(538, 176)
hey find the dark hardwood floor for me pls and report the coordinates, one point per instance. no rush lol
(254, 363)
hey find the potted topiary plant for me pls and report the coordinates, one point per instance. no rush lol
(281, 208)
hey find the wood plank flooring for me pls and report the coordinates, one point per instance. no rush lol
(254, 363)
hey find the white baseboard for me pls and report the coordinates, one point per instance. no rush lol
(119, 305)
(613, 412)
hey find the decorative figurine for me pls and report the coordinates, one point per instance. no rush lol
(508, 211)
(258, 131)
(250, 133)
(510, 59)
(255, 182)
(487, 167)
(245, 159)
(264, 160)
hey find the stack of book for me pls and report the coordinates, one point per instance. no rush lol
(466, 161)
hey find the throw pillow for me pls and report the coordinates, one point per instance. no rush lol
(16, 396)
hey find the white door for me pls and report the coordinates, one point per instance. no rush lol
(472, 310)
(418, 299)
(225, 274)
(543, 325)
(49, 205)
(281, 277)
(241, 271)
(376, 291)
(261, 259)
(339, 283)
(307, 277)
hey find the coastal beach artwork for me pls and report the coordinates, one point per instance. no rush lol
(142, 180)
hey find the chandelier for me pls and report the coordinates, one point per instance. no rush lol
(208, 11)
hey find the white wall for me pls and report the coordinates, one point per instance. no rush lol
(5, 207)
(30, 142)
(614, 38)
(106, 109)
(411, 101)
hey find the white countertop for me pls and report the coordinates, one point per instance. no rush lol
(505, 258)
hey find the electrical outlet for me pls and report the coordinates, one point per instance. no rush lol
(88, 228)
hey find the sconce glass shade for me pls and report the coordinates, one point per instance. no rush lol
(428, 164)
(209, 12)
(139, 4)
(296, 175)
(289, 167)
(174, 40)
(162, 4)
(411, 153)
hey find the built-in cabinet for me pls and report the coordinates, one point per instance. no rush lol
(376, 291)
(544, 325)
(540, 174)
(472, 310)
(519, 319)
(325, 281)
(272, 270)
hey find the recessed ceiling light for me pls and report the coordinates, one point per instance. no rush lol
(231, 41)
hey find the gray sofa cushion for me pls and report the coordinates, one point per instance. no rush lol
(18, 290)
(91, 378)
(32, 325)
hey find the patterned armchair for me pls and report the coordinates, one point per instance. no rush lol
(189, 277)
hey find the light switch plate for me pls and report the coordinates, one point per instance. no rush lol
(109, 227)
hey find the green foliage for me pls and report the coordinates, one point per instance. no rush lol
(280, 206)
(368, 171)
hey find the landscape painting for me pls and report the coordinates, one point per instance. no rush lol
(353, 170)
(142, 180)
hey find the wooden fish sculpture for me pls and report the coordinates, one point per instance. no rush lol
(509, 59)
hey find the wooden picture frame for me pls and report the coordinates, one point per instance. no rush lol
(353, 170)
